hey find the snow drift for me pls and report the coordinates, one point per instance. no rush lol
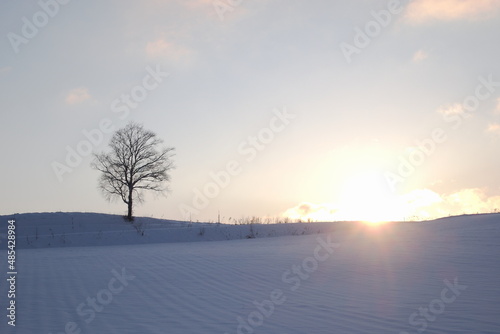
(433, 277)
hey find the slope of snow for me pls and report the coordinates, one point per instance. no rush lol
(436, 277)
(40, 230)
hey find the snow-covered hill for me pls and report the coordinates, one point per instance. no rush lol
(431, 277)
(40, 230)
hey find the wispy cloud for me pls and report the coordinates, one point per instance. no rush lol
(77, 95)
(452, 109)
(420, 56)
(196, 4)
(420, 11)
(163, 49)
(493, 128)
(5, 69)
(220, 10)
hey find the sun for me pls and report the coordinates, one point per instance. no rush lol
(361, 196)
(366, 197)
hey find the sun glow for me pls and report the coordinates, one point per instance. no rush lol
(366, 197)
(363, 197)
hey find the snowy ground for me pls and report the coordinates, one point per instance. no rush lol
(433, 277)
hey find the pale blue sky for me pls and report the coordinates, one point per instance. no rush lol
(352, 120)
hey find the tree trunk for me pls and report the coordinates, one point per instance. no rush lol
(129, 213)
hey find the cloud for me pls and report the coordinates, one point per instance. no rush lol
(419, 204)
(187, 3)
(498, 106)
(474, 200)
(453, 109)
(224, 12)
(77, 95)
(220, 10)
(195, 4)
(420, 11)
(162, 49)
(493, 128)
(420, 55)
(5, 69)
(311, 211)
(427, 204)
(421, 198)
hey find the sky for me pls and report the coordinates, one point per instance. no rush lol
(321, 110)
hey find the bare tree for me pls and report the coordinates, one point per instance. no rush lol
(135, 163)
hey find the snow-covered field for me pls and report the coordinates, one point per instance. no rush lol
(433, 277)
